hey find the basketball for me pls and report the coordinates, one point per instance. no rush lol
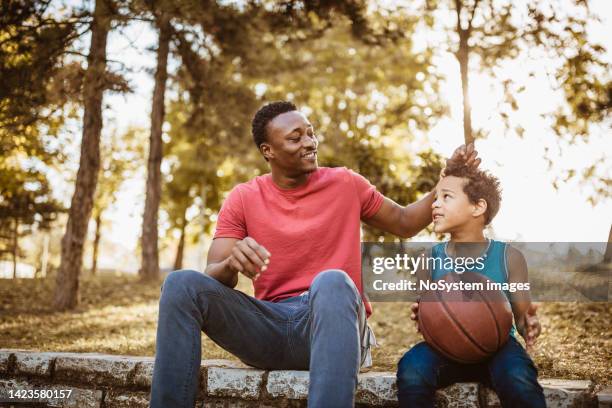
(465, 325)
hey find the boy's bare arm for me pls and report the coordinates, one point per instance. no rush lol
(423, 274)
(527, 322)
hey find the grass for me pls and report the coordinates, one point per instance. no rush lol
(118, 315)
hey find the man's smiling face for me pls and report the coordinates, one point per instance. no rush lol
(291, 144)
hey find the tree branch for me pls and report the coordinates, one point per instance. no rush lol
(459, 7)
(469, 29)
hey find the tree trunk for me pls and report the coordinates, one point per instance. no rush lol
(150, 258)
(67, 284)
(608, 255)
(96, 244)
(178, 260)
(45, 256)
(463, 56)
(203, 246)
(15, 246)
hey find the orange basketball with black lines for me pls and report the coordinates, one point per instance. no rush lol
(466, 326)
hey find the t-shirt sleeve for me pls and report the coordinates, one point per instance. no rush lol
(370, 199)
(231, 222)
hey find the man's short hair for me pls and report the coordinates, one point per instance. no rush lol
(480, 184)
(264, 115)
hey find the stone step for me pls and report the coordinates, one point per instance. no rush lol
(125, 381)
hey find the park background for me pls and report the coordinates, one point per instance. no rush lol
(119, 114)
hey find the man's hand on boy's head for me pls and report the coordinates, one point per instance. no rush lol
(464, 154)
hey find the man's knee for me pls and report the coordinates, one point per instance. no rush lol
(334, 281)
(178, 285)
(417, 368)
(332, 292)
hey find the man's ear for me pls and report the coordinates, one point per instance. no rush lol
(479, 208)
(266, 151)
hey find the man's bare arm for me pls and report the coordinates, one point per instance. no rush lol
(218, 260)
(229, 256)
(406, 222)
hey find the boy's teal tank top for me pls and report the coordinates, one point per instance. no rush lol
(494, 265)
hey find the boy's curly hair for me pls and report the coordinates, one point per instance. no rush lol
(480, 184)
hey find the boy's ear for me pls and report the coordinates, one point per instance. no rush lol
(479, 208)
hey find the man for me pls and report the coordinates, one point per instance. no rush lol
(296, 233)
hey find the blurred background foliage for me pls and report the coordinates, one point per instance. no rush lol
(360, 70)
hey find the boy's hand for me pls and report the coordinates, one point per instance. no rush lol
(464, 154)
(531, 327)
(414, 309)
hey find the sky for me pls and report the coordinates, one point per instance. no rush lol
(532, 210)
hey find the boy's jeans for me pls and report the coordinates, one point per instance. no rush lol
(510, 372)
(323, 331)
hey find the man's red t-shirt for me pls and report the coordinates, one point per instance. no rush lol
(307, 230)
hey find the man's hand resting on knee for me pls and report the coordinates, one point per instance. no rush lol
(229, 256)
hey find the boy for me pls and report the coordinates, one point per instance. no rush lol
(466, 201)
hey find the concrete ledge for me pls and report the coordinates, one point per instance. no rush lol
(558, 393)
(604, 397)
(4, 361)
(243, 383)
(79, 397)
(292, 385)
(123, 381)
(38, 364)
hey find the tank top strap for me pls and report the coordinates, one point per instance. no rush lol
(495, 264)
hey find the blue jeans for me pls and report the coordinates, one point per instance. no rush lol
(510, 372)
(320, 331)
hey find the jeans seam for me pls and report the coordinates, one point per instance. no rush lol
(191, 363)
(289, 342)
(293, 318)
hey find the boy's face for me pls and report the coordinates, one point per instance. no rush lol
(452, 208)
